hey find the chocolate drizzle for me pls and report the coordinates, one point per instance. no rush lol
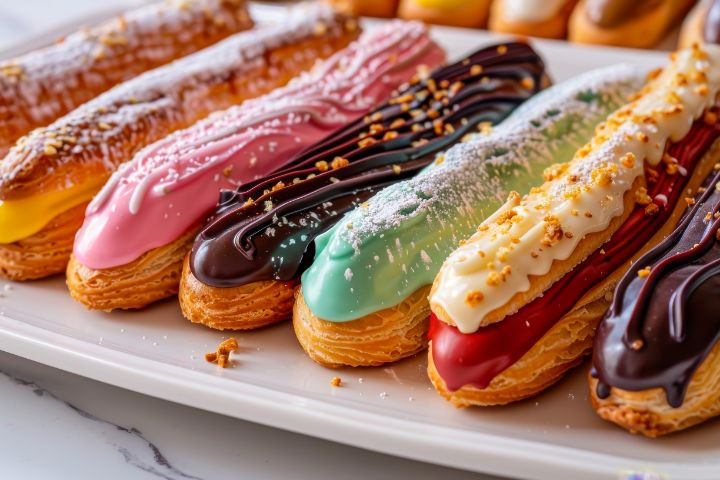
(711, 25)
(660, 328)
(265, 230)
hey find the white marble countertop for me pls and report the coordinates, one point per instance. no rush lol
(57, 425)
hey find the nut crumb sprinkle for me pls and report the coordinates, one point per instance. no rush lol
(644, 272)
(222, 355)
(336, 381)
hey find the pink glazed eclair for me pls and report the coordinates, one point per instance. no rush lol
(138, 229)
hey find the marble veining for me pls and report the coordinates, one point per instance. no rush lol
(136, 450)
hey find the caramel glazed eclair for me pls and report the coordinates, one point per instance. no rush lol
(364, 299)
(246, 263)
(41, 86)
(517, 305)
(656, 358)
(49, 176)
(130, 249)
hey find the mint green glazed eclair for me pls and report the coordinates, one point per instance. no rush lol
(363, 300)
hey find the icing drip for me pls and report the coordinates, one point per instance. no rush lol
(662, 325)
(397, 244)
(526, 235)
(172, 185)
(263, 230)
(477, 358)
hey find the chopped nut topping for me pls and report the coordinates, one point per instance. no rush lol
(555, 171)
(637, 344)
(628, 160)
(339, 162)
(222, 355)
(644, 272)
(320, 29)
(710, 118)
(322, 165)
(502, 49)
(476, 70)
(642, 197)
(553, 231)
(527, 83)
(366, 142)
(652, 209)
(690, 201)
(336, 381)
(397, 169)
(474, 298)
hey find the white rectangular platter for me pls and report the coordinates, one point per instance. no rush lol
(393, 410)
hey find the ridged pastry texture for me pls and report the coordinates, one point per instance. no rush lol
(240, 308)
(154, 275)
(648, 413)
(387, 336)
(44, 253)
(89, 143)
(41, 86)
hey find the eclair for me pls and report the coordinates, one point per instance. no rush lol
(656, 357)
(130, 248)
(623, 23)
(261, 238)
(458, 13)
(41, 86)
(363, 301)
(49, 176)
(366, 8)
(517, 304)
(702, 24)
(537, 18)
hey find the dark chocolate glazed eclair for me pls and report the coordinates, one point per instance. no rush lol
(656, 363)
(260, 240)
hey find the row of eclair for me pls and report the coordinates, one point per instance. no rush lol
(306, 170)
(639, 24)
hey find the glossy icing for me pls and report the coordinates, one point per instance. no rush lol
(172, 185)
(477, 358)
(397, 244)
(661, 326)
(532, 11)
(263, 230)
(86, 145)
(527, 234)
